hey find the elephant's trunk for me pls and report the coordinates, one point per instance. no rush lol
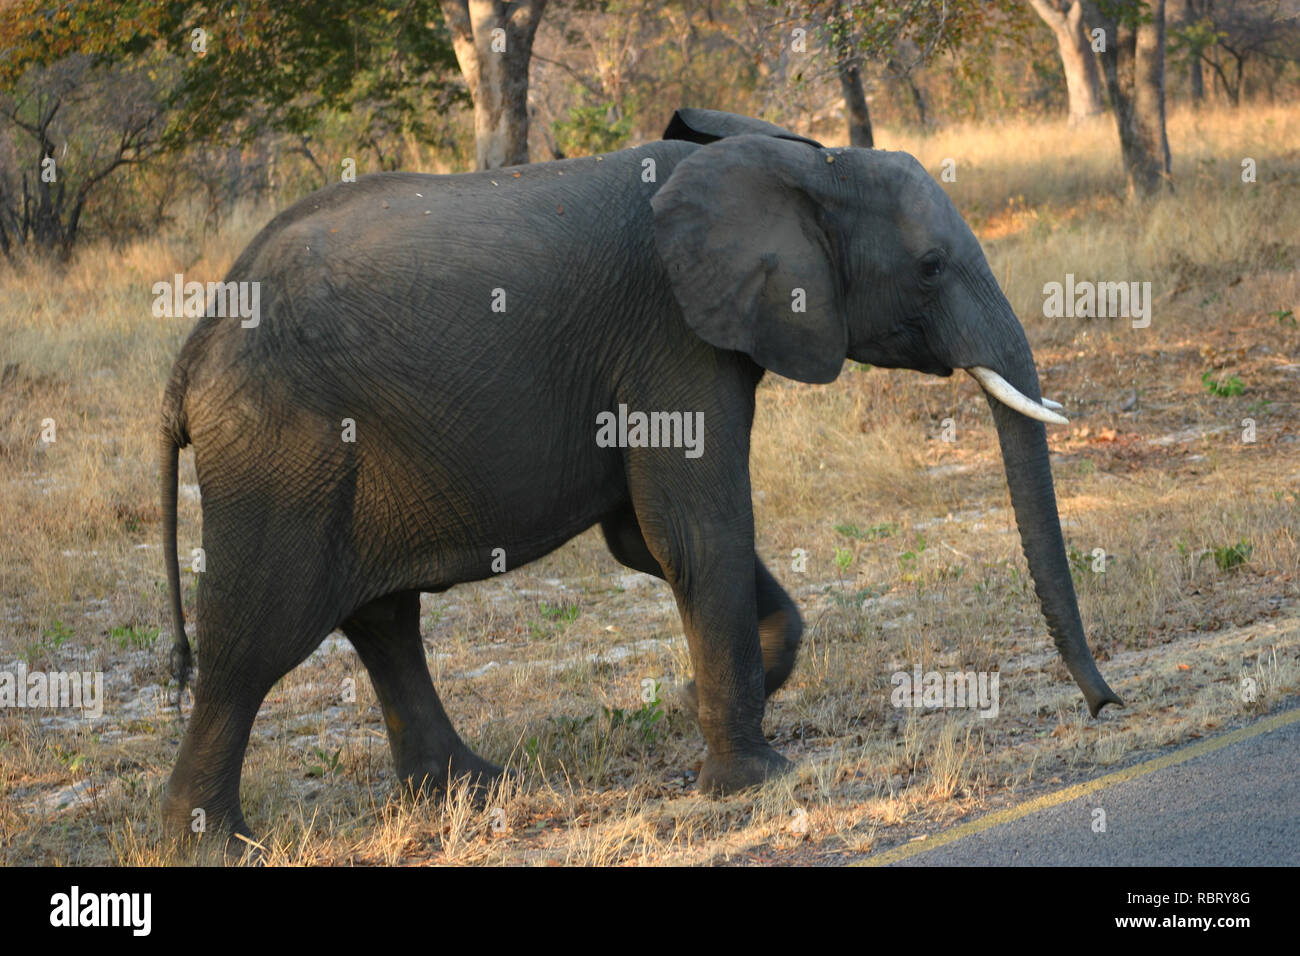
(1029, 477)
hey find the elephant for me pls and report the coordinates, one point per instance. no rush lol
(474, 330)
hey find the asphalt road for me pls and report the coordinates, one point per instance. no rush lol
(1230, 800)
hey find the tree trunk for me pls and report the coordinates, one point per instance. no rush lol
(855, 97)
(855, 107)
(918, 100)
(1082, 80)
(1180, 15)
(493, 41)
(904, 77)
(1134, 64)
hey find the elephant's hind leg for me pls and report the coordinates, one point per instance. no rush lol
(250, 634)
(779, 628)
(426, 749)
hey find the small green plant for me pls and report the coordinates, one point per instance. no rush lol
(52, 638)
(1221, 387)
(69, 758)
(644, 720)
(56, 635)
(563, 613)
(558, 615)
(141, 638)
(1232, 556)
(567, 726)
(1284, 316)
(908, 558)
(325, 764)
(843, 558)
(872, 533)
(854, 601)
(950, 572)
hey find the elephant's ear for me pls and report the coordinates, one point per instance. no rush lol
(741, 234)
(709, 126)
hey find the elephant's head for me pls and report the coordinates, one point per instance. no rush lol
(801, 256)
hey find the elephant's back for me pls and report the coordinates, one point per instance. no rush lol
(458, 261)
(415, 294)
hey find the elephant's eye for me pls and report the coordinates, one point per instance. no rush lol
(932, 266)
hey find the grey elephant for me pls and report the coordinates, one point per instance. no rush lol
(477, 332)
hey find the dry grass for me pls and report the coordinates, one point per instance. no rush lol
(1153, 471)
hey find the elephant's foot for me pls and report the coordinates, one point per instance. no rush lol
(187, 814)
(723, 774)
(189, 820)
(477, 774)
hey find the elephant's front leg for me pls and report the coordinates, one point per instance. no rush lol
(779, 623)
(779, 629)
(704, 543)
(721, 626)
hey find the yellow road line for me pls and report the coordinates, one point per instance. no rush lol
(908, 850)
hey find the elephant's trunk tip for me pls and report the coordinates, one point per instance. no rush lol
(1098, 701)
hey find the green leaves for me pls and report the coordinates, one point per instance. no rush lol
(885, 530)
(258, 65)
(141, 638)
(1223, 387)
(325, 764)
(1233, 556)
(283, 65)
(593, 128)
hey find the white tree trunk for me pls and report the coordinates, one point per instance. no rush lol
(493, 41)
(1082, 79)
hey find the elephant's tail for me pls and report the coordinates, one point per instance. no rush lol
(174, 438)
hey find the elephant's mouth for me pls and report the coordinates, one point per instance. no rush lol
(903, 346)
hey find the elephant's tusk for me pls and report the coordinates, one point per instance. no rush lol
(1054, 406)
(1006, 393)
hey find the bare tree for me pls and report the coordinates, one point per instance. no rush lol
(1134, 63)
(493, 41)
(1225, 35)
(882, 31)
(1082, 79)
(113, 118)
